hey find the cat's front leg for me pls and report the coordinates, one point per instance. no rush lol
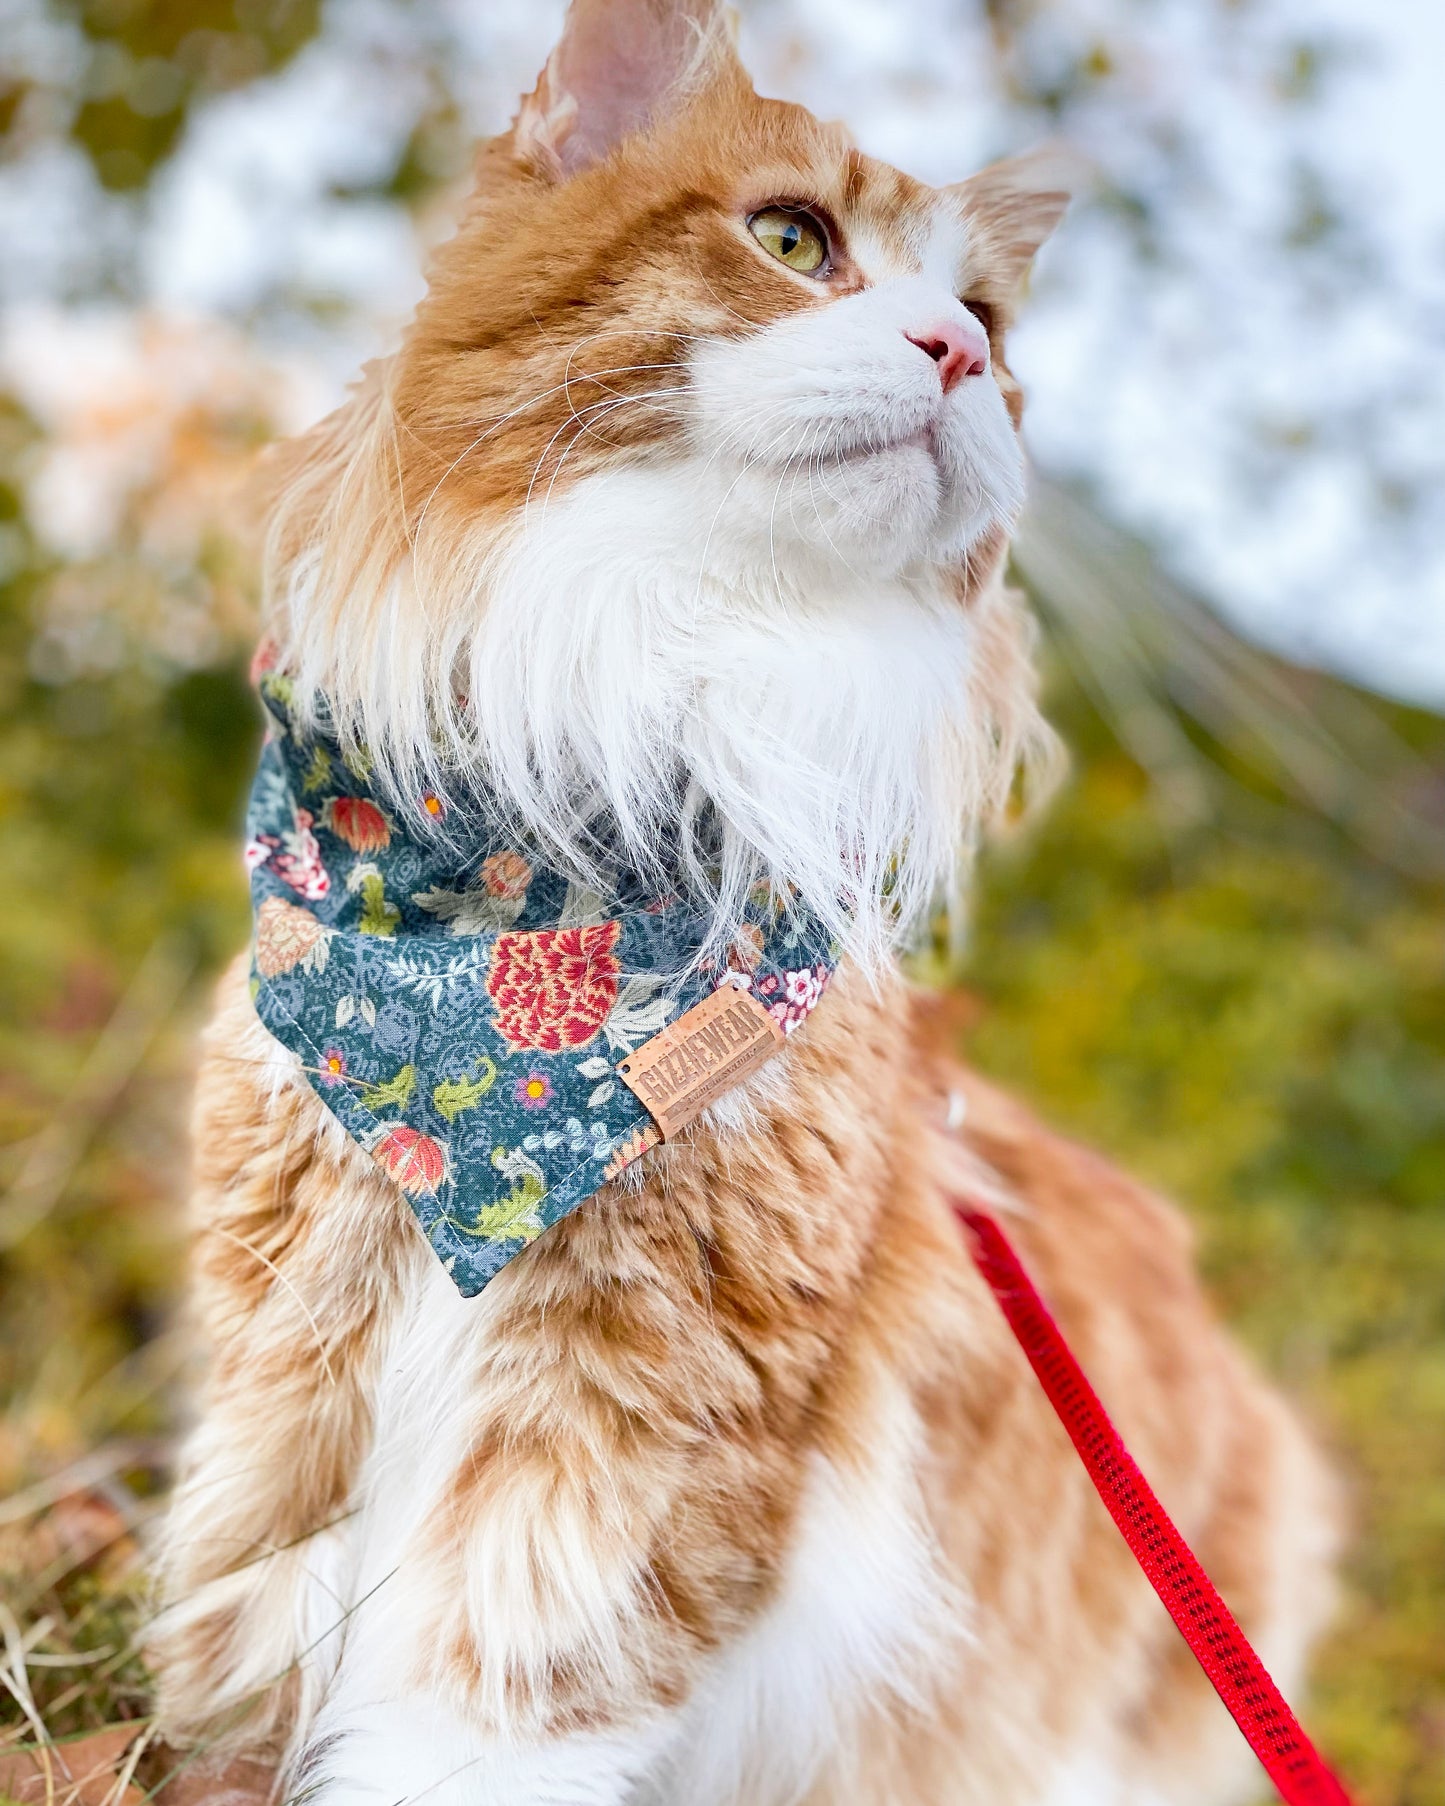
(251, 1574)
(298, 1243)
(501, 1637)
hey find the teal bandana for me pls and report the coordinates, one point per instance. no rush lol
(461, 1009)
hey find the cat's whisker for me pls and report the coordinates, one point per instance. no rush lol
(728, 308)
(610, 404)
(584, 428)
(498, 422)
(814, 472)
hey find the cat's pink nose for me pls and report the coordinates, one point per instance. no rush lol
(957, 351)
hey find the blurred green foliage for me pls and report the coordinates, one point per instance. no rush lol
(1242, 1006)
(148, 62)
(119, 811)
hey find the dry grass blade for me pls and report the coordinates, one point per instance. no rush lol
(16, 1681)
(1155, 658)
(94, 1770)
(119, 1049)
(88, 1471)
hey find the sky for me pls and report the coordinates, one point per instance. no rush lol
(1235, 343)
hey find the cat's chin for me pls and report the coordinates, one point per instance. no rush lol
(879, 510)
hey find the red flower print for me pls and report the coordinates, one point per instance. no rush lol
(417, 1162)
(534, 1091)
(359, 823)
(299, 862)
(333, 1066)
(556, 987)
(506, 875)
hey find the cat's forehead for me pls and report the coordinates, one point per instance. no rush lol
(896, 225)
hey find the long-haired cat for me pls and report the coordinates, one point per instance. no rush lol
(680, 515)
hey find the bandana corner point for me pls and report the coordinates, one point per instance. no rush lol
(470, 1017)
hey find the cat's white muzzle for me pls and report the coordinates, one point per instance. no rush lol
(838, 436)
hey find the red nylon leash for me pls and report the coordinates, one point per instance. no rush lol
(1190, 1597)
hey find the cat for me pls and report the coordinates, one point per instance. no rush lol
(681, 512)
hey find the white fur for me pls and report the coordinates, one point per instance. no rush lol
(411, 1749)
(866, 1607)
(1088, 1781)
(761, 628)
(840, 432)
(828, 724)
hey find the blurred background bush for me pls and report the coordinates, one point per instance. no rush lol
(1221, 955)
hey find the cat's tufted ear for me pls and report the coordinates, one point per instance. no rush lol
(619, 66)
(1014, 205)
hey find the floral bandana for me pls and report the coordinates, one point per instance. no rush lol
(463, 1011)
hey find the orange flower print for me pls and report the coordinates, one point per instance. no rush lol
(431, 804)
(747, 949)
(359, 823)
(554, 988)
(418, 1163)
(506, 875)
(288, 936)
(333, 1066)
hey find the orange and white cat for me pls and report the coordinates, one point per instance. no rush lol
(690, 487)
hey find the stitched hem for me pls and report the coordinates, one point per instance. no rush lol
(361, 1112)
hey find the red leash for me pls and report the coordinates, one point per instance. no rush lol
(1204, 1620)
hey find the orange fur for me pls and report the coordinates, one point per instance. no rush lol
(650, 1393)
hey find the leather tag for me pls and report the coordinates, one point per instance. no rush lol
(709, 1049)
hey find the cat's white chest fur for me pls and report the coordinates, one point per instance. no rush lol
(663, 629)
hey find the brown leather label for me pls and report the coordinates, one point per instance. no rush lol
(710, 1048)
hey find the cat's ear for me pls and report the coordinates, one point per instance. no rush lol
(619, 66)
(1014, 205)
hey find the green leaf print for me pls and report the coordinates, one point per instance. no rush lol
(453, 1096)
(318, 772)
(394, 1093)
(377, 915)
(514, 1217)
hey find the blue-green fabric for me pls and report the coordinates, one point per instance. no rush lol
(458, 1007)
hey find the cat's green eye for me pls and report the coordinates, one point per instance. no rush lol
(793, 237)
